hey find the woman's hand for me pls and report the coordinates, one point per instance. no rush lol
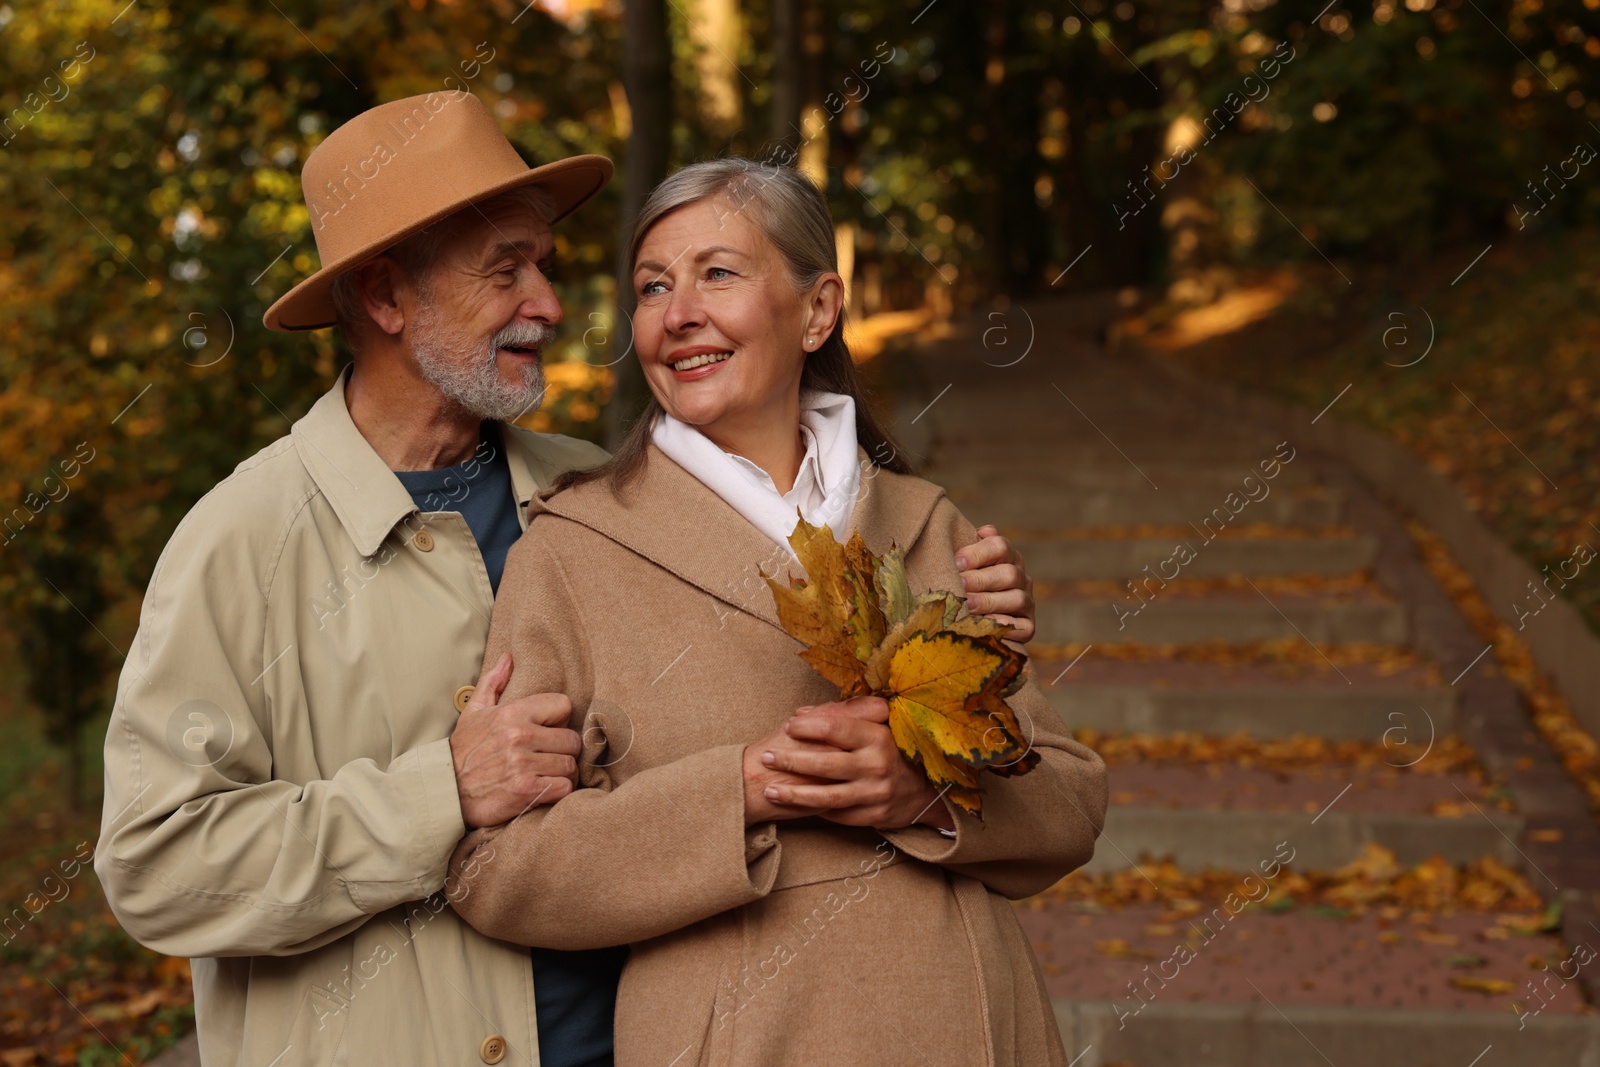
(854, 773)
(760, 777)
(996, 582)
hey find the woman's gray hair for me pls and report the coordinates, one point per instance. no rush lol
(793, 216)
(418, 253)
(789, 211)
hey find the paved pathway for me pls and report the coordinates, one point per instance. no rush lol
(1210, 620)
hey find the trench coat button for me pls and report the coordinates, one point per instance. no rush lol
(423, 541)
(493, 1049)
(463, 695)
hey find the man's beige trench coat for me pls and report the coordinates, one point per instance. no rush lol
(280, 797)
(790, 943)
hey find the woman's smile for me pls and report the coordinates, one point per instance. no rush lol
(694, 362)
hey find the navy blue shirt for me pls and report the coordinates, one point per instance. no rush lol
(480, 489)
(575, 993)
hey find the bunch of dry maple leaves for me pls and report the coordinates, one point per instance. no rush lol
(945, 676)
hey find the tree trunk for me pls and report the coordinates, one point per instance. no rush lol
(813, 117)
(647, 79)
(716, 30)
(1017, 229)
(787, 85)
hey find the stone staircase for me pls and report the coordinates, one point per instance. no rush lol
(1207, 610)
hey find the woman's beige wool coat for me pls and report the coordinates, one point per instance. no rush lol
(798, 942)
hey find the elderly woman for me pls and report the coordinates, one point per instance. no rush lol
(792, 889)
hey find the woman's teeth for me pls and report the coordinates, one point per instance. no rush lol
(700, 361)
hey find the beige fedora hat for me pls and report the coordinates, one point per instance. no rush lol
(401, 167)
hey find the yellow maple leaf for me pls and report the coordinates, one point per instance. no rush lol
(945, 677)
(834, 609)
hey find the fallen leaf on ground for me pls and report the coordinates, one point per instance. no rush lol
(1373, 882)
(1116, 948)
(1465, 960)
(1489, 986)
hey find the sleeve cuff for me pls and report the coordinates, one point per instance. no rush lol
(426, 785)
(931, 844)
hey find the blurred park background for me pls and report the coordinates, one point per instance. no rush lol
(1252, 176)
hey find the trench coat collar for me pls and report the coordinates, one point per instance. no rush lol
(363, 492)
(671, 519)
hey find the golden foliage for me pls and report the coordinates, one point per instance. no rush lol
(1287, 651)
(1373, 881)
(944, 677)
(1552, 716)
(1449, 755)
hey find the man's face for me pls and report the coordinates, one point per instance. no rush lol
(486, 311)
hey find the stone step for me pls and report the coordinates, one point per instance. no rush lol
(1044, 508)
(1358, 702)
(1337, 714)
(1300, 956)
(1260, 1034)
(981, 446)
(1234, 618)
(1304, 777)
(1069, 559)
(1238, 838)
(1075, 472)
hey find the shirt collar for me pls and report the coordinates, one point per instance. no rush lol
(363, 492)
(807, 480)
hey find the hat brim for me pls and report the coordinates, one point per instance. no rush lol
(570, 182)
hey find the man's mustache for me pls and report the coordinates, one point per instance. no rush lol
(523, 335)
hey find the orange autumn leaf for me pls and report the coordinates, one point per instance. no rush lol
(944, 677)
(834, 609)
(1491, 986)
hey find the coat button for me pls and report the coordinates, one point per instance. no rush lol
(493, 1049)
(463, 695)
(423, 541)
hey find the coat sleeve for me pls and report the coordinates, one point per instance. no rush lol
(202, 851)
(608, 864)
(1038, 827)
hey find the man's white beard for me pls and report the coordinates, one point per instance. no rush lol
(465, 370)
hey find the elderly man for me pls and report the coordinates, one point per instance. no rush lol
(296, 745)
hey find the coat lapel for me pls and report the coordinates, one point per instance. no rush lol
(671, 519)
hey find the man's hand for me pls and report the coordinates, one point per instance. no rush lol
(861, 778)
(512, 757)
(997, 585)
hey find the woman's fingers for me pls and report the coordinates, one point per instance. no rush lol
(869, 709)
(822, 797)
(831, 764)
(854, 725)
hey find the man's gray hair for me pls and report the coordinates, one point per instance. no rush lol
(418, 253)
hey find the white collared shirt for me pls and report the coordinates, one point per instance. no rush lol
(824, 490)
(809, 491)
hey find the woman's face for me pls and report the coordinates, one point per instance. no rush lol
(720, 330)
